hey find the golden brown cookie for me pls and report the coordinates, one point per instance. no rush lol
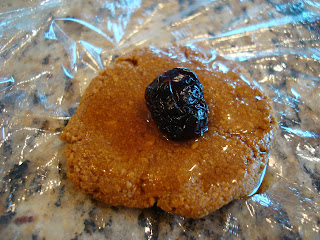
(116, 152)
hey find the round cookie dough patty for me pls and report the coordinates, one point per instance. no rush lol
(116, 152)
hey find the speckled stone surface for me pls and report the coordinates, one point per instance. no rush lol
(49, 52)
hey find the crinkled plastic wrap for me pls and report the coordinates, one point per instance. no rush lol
(49, 52)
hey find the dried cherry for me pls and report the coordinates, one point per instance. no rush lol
(175, 100)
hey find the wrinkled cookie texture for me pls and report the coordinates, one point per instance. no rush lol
(116, 152)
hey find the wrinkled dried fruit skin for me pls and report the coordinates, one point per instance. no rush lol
(175, 100)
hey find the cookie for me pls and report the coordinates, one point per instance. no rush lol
(116, 152)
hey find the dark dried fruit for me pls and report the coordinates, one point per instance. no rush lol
(175, 100)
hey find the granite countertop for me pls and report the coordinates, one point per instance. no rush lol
(49, 52)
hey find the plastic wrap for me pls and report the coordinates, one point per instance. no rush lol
(49, 52)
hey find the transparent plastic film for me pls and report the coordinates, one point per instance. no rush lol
(51, 50)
